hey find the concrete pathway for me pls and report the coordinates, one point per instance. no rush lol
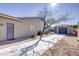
(23, 48)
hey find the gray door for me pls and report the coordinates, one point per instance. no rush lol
(10, 31)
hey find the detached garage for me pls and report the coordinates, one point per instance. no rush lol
(62, 28)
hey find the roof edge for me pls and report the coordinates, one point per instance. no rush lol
(10, 17)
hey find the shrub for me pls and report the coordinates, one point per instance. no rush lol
(46, 31)
(39, 33)
(75, 26)
(33, 35)
(51, 30)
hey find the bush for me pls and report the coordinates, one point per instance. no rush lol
(51, 30)
(46, 31)
(33, 35)
(75, 26)
(39, 33)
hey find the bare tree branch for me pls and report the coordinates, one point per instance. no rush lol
(44, 14)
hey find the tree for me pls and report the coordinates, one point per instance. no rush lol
(50, 21)
(45, 14)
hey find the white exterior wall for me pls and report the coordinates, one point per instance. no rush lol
(68, 28)
(20, 28)
(34, 25)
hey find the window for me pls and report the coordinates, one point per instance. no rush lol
(32, 28)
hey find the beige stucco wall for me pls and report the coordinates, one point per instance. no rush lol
(20, 28)
(34, 25)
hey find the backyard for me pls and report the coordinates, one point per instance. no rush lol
(25, 47)
(67, 46)
(57, 45)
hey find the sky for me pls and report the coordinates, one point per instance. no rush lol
(31, 9)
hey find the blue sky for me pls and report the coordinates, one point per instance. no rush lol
(29, 10)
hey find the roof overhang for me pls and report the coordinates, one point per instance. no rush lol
(56, 25)
(30, 18)
(10, 17)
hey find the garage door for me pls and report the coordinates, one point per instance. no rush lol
(62, 30)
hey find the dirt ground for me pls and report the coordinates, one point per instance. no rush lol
(68, 46)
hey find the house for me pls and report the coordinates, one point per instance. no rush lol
(63, 28)
(13, 27)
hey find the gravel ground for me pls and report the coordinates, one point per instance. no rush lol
(68, 46)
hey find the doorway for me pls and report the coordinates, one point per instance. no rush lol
(10, 31)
